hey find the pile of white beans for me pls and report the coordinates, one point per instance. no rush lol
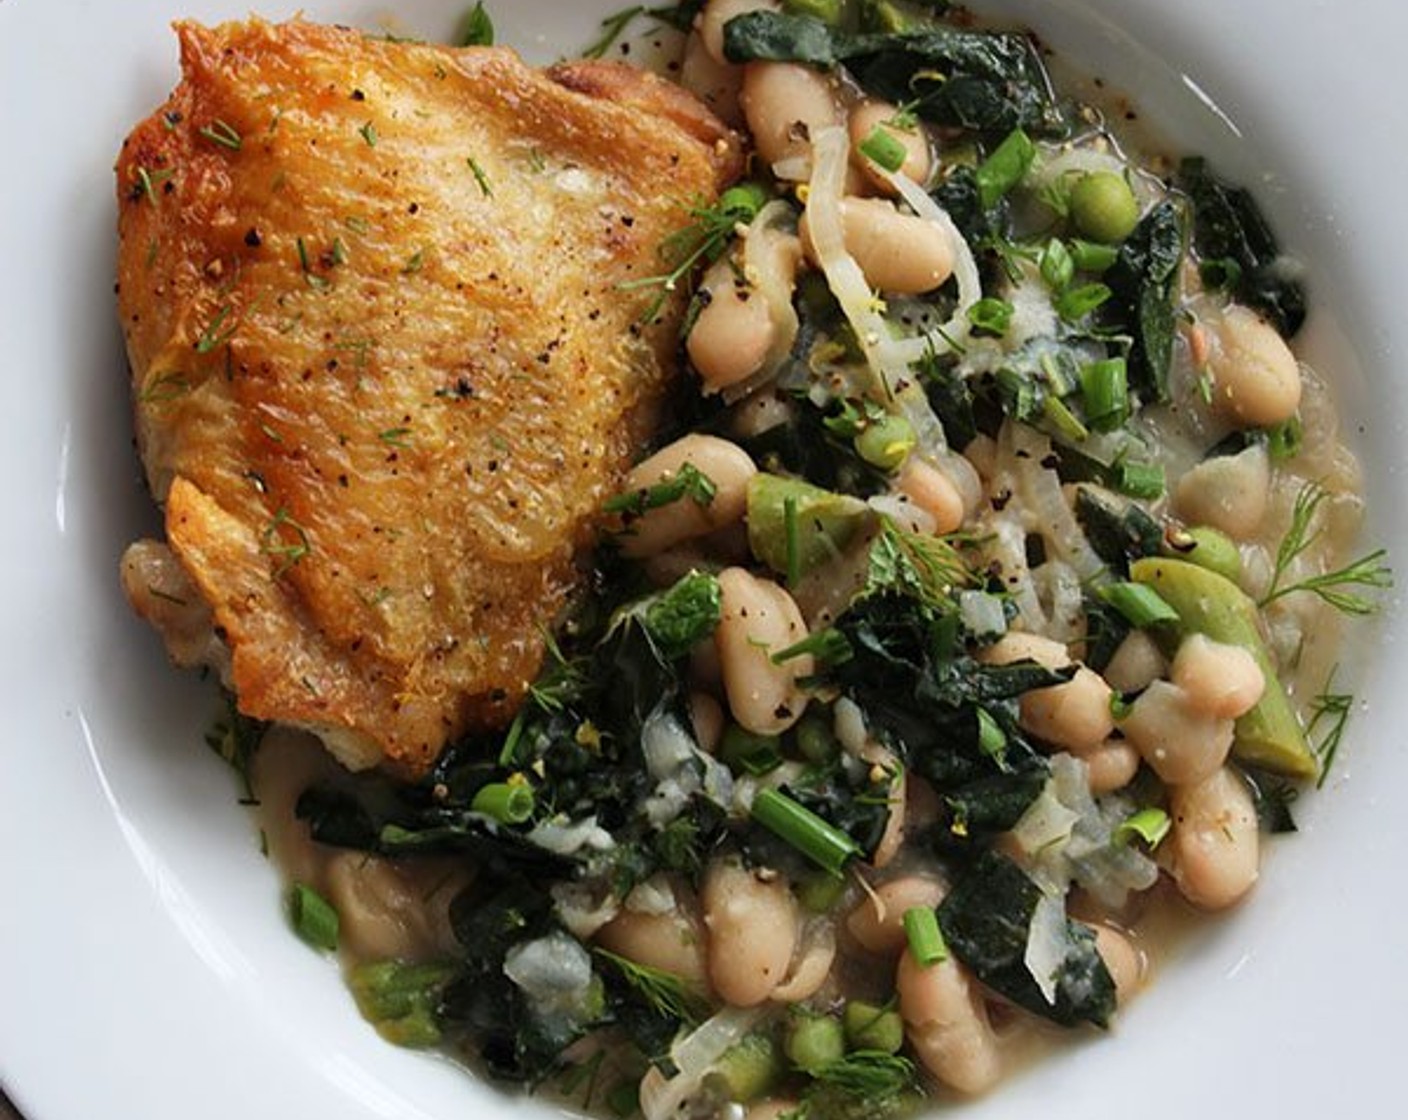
(743, 936)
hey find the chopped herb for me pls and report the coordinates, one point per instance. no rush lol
(163, 387)
(687, 482)
(369, 134)
(222, 133)
(216, 334)
(1329, 716)
(148, 181)
(666, 993)
(284, 539)
(235, 737)
(414, 263)
(703, 240)
(612, 28)
(480, 177)
(1368, 571)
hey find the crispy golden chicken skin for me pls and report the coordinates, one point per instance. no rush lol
(384, 367)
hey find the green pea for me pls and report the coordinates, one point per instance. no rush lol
(869, 1027)
(814, 1040)
(749, 1068)
(816, 742)
(886, 442)
(819, 891)
(746, 751)
(1103, 207)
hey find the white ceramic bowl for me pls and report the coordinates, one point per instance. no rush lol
(145, 970)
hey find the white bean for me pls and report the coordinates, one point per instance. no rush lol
(1213, 849)
(898, 252)
(709, 25)
(388, 910)
(759, 619)
(893, 836)
(1136, 663)
(1219, 679)
(1228, 492)
(1180, 743)
(871, 115)
(715, 83)
(947, 1025)
(725, 464)
(733, 332)
(752, 924)
(673, 941)
(1075, 715)
(1021, 646)
(933, 492)
(784, 104)
(706, 717)
(877, 923)
(1255, 377)
(1110, 766)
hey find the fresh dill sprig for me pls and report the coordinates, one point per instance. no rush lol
(611, 29)
(222, 133)
(1334, 587)
(235, 737)
(702, 241)
(665, 992)
(1329, 716)
(923, 567)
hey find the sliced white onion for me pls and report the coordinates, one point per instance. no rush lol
(1046, 944)
(1044, 502)
(694, 1055)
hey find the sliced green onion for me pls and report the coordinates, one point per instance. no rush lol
(1104, 390)
(1075, 304)
(1057, 266)
(1091, 257)
(1059, 415)
(992, 316)
(1139, 480)
(829, 647)
(1004, 168)
(1140, 604)
(819, 840)
(504, 802)
(1284, 441)
(1149, 825)
(883, 149)
(926, 942)
(313, 916)
(741, 749)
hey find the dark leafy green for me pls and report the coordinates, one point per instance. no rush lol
(1118, 531)
(1237, 246)
(986, 82)
(1143, 283)
(986, 919)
